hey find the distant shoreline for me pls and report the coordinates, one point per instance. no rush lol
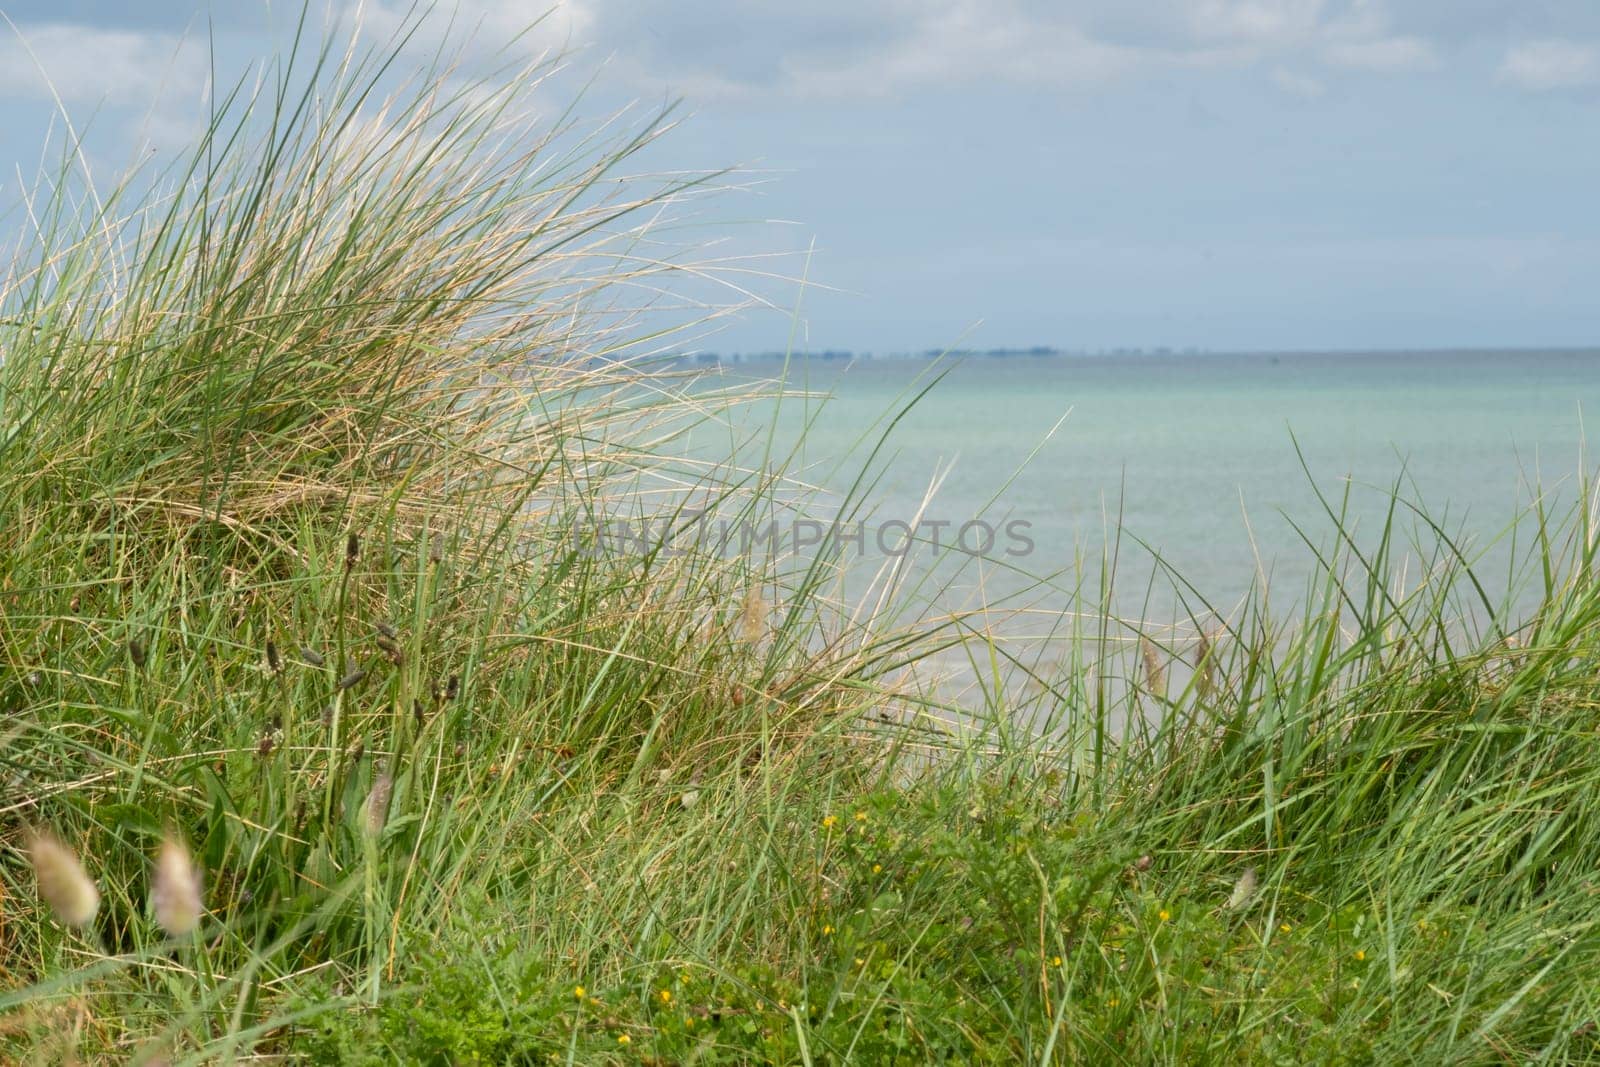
(1047, 352)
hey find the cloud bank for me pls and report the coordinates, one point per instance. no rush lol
(840, 49)
(1545, 65)
(86, 64)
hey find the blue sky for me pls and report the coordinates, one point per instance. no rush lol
(1227, 174)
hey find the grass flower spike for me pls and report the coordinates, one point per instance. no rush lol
(63, 883)
(175, 889)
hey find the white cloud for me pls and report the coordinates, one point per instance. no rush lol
(960, 42)
(849, 48)
(83, 64)
(1267, 24)
(1383, 53)
(484, 27)
(1361, 37)
(845, 48)
(1296, 84)
(1552, 63)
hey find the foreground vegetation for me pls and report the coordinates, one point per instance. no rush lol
(294, 443)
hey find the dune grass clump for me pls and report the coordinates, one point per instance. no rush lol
(350, 751)
(345, 380)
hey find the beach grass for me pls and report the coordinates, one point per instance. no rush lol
(295, 439)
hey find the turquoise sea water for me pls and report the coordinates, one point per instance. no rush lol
(1195, 455)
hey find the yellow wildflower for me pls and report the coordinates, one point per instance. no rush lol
(666, 996)
(1361, 954)
(578, 991)
(1164, 915)
(828, 821)
(624, 1039)
(861, 816)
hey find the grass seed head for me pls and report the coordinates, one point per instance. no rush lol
(378, 802)
(1205, 680)
(1155, 672)
(1244, 890)
(63, 883)
(753, 616)
(175, 889)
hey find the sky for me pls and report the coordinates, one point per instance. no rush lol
(1088, 174)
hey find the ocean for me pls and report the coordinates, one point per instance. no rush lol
(1199, 473)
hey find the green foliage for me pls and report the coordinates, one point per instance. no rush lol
(489, 1012)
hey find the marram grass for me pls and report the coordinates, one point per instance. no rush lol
(322, 742)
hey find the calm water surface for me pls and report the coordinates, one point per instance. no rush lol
(1195, 456)
(1210, 461)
